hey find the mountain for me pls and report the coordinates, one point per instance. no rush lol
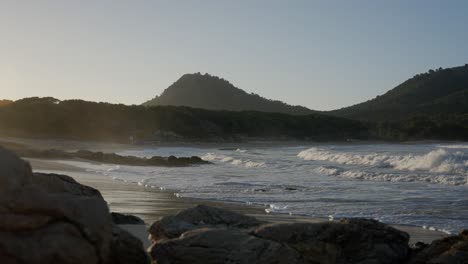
(214, 93)
(441, 92)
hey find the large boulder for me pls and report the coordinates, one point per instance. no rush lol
(50, 218)
(347, 241)
(212, 235)
(200, 216)
(449, 250)
(216, 246)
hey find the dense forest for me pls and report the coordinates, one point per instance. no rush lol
(210, 92)
(431, 105)
(441, 91)
(77, 119)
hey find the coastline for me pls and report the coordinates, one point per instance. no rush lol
(152, 204)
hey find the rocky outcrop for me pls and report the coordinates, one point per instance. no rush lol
(211, 235)
(50, 218)
(449, 250)
(200, 216)
(215, 246)
(347, 241)
(110, 158)
(126, 219)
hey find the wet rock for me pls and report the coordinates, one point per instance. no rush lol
(449, 250)
(348, 241)
(199, 217)
(126, 219)
(214, 246)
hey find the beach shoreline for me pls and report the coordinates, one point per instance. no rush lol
(151, 204)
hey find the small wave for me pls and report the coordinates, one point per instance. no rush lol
(233, 161)
(275, 208)
(440, 160)
(329, 170)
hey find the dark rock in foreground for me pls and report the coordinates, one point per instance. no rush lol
(125, 219)
(347, 241)
(50, 218)
(201, 216)
(211, 235)
(215, 246)
(449, 250)
(126, 249)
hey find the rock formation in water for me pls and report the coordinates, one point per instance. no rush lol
(110, 158)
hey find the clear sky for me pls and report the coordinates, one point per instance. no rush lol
(320, 54)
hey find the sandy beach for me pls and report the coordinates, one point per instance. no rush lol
(152, 204)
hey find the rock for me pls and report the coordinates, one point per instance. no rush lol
(214, 246)
(348, 241)
(126, 219)
(453, 250)
(126, 248)
(50, 218)
(211, 235)
(199, 217)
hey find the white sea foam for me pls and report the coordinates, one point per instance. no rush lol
(394, 177)
(329, 170)
(460, 146)
(439, 160)
(234, 161)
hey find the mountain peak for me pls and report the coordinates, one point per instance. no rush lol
(214, 93)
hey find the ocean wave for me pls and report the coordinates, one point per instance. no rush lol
(394, 177)
(439, 160)
(460, 146)
(233, 161)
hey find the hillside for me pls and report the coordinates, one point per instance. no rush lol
(5, 102)
(76, 119)
(443, 92)
(214, 93)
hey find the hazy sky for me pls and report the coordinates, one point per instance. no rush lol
(321, 54)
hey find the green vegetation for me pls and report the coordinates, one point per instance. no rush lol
(77, 119)
(214, 93)
(432, 105)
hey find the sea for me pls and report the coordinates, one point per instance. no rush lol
(423, 185)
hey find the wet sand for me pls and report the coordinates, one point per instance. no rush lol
(152, 204)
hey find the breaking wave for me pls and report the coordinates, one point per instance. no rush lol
(437, 161)
(394, 177)
(234, 161)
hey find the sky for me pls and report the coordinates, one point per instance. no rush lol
(321, 54)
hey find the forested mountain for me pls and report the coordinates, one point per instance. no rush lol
(437, 92)
(432, 105)
(77, 119)
(214, 93)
